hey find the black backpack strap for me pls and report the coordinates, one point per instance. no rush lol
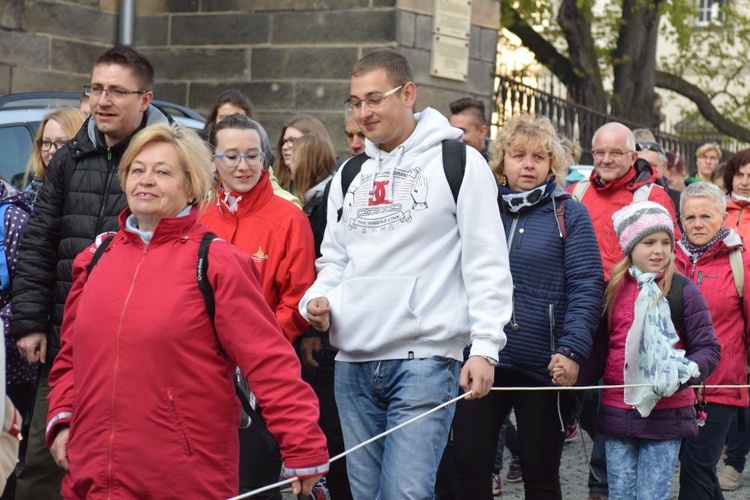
(202, 271)
(240, 385)
(454, 164)
(348, 172)
(677, 301)
(99, 252)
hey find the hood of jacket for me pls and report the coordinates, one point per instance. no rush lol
(89, 139)
(9, 194)
(432, 128)
(639, 175)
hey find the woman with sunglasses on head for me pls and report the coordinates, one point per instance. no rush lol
(276, 235)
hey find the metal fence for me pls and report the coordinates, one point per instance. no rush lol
(576, 122)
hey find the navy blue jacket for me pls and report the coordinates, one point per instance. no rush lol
(557, 295)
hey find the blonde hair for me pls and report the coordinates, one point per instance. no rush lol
(314, 159)
(70, 120)
(618, 273)
(307, 125)
(526, 129)
(192, 153)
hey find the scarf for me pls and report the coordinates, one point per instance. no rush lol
(515, 201)
(741, 201)
(650, 356)
(696, 251)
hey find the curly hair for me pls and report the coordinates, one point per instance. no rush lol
(733, 165)
(526, 129)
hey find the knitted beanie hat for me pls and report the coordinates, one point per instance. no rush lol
(639, 219)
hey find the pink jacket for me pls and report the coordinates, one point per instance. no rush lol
(713, 275)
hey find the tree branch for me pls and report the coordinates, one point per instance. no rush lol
(705, 106)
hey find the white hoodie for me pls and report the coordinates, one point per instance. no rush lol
(408, 272)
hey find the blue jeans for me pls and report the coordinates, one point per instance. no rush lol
(700, 455)
(378, 395)
(640, 469)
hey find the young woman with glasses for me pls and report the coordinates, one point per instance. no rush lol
(291, 131)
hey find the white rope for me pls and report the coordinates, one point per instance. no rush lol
(458, 398)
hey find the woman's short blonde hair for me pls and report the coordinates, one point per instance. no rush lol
(192, 152)
(70, 120)
(526, 129)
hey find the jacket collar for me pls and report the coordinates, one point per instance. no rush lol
(252, 201)
(168, 228)
(639, 175)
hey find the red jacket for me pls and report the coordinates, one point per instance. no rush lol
(603, 201)
(713, 275)
(145, 386)
(738, 218)
(277, 235)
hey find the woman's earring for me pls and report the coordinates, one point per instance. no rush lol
(505, 181)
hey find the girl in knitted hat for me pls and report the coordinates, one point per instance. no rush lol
(657, 339)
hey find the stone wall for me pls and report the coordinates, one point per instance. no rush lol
(289, 56)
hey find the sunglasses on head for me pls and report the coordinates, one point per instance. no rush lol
(649, 146)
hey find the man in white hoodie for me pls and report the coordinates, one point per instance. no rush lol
(407, 278)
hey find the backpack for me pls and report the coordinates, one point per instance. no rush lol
(241, 387)
(454, 165)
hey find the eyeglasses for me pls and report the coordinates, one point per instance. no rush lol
(373, 100)
(231, 160)
(599, 154)
(289, 141)
(115, 93)
(47, 145)
(649, 146)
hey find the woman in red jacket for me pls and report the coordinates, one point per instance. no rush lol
(142, 403)
(277, 236)
(705, 254)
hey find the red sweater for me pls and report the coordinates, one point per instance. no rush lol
(278, 237)
(146, 387)
(603, 201)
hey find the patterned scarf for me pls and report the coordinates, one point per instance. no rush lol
(515, 201)
(741, 201)
(696, 251)
(650, 356)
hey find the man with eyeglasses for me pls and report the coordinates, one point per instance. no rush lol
(618, 179)
(80, 199)
(709, 156)
(407, 278)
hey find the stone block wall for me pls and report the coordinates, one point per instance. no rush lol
(289, 56)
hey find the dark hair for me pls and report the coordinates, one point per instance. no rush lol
(733, 165)
(131, 58)
(675, 162)
(469, 105)
(233, 97)
(396, 66)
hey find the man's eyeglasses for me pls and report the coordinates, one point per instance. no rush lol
(373, 100)
(115, 93)
(231, 160)
(649, 146)
(47, 145)
(599, 154)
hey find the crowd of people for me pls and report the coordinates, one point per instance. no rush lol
(195, 313)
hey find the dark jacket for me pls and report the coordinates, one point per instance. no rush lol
(557, 291)
(80, 198)
(673, 417)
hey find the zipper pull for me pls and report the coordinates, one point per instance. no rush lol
(109, 154)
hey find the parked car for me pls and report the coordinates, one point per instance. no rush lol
(20, 115)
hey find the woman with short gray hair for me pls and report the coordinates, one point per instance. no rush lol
(711, 255)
